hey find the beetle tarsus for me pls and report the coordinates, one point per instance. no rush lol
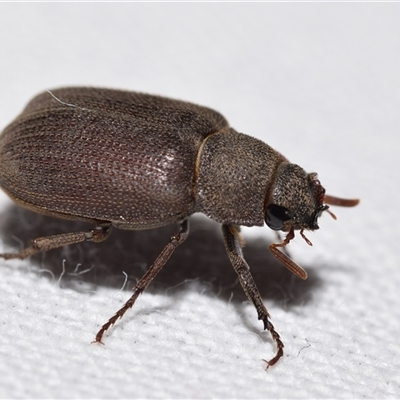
(119, 314)
(141, 286)
(232, 243)
(279, 344)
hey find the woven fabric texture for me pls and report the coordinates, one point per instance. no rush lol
(318, 82)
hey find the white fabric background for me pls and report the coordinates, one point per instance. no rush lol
(320, 83)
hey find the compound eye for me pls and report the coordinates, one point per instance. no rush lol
(276, 216)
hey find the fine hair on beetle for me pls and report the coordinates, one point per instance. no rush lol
(137, 161)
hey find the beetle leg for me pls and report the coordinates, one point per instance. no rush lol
(46, 243)
(234, 250)
(154, 269)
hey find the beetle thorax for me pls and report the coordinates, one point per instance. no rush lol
(233, 178)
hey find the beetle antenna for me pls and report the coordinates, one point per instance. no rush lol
(284, 259)
(337, 201)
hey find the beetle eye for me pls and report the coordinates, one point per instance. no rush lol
(276, 216)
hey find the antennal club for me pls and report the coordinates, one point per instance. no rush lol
(337, 201)
(284, 259)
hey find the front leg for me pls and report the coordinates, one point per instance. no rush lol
(232, 242)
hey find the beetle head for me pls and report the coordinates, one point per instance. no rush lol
(296, 200)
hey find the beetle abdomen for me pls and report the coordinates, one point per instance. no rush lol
(106, 155)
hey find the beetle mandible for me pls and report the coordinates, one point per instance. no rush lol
(138, 161)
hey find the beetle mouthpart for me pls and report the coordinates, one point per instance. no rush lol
(308, 241)
(331, 214)
(284, 258)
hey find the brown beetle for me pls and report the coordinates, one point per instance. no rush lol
(137, 161)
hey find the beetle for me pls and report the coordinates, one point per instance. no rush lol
(138, 161)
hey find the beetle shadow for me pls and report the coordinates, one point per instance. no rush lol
(202, 258)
